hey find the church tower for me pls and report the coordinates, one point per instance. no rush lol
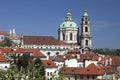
(85, 38)
(68, 30)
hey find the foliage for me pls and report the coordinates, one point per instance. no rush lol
(6, 43)
(40, 67)
(22, 71)
(106, 51)
(56, 73)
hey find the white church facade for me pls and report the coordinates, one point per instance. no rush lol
(68, 38)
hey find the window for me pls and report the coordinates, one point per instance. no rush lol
(57, 53)
(86, 29)
(48, 53)
(71, 36)
(5, 66)
(47, 73)
(86, 22)
(93, 77)
(86, 42)
(2, 37)
(63, 36)
(70, 24)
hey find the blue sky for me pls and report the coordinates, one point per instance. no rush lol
(43, 17)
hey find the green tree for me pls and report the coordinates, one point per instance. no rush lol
(6, 43)
(40, 68)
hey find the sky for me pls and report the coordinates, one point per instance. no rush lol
(43, 17)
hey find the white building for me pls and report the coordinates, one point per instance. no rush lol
(4, 65)
(3, 35)
(50, 69)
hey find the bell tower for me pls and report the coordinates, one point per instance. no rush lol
(85, 38)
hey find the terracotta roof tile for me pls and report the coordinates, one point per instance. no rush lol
(3, 33)
(41, 40)
(92, 69)
(37, 53)
(71, 70)
(49, 64)
(116, 61)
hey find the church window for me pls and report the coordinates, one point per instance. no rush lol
(71, 36)
(86, 42)
(86, 29)
(63, 36)
(48, 53)
(57, 53)
(86, 22)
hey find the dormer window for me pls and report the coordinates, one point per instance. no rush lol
(88, 70)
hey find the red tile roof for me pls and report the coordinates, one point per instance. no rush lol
(34, 52)
(71, 70)
(49, 63)
(37, 53)
(92, 69)
(2, 59)
(116, 61)
(41, 40)
(3, 33)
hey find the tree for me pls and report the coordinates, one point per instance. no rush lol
(40, 68)
(7, 42)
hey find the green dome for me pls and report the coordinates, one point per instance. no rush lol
(68, 24)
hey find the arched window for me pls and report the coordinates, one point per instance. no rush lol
(63, 36)
(86, 29)
(48, 53)
(57, 53)
(86, 42)
(71, 36)
(86, 22)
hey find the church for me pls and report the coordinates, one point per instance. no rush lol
(69, 38)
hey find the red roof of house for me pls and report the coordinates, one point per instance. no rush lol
(41, 40)
(2, 59)
(49, 63)
(34, 52)
(3, 33)
(116, 61)
(37, 53)
(71, 70)
(92, 69)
